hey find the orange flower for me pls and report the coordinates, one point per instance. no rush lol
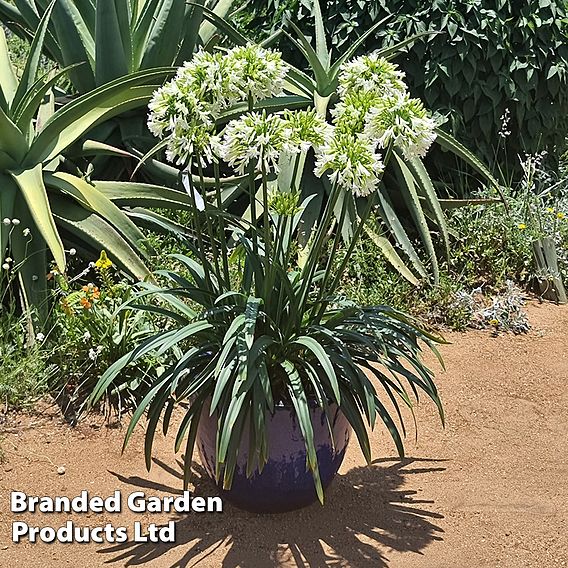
(86, 304)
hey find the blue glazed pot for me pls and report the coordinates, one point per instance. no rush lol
(284, 483)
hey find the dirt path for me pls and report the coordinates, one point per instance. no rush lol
(491, 490)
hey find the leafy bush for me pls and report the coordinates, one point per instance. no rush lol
(92, 332)
(489, 56)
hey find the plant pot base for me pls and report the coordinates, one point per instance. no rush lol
(284, 483)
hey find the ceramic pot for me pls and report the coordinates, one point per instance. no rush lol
(284, 483)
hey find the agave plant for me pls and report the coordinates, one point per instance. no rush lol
(41, 204)
(408, 194)
(252, 327)
(111, 39)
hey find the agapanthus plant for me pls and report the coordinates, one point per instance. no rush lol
(261, 328)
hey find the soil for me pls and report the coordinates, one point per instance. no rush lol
(489, 490)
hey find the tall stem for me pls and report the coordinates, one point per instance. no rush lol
(252, 191)
(336, 241)
(197, 223)
(210, 233)
(224, 248)
(265, 221)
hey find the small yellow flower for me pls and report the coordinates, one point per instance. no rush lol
(494, 322)
(104, 263)
(560, 215)
(550, 209)
(522, 226)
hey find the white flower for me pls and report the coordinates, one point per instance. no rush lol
(256, 72)
(185, 120)
(354, 163)
(254, 138)
(92, 354)
(26, 232)
(350, 113)
(6, 266)
(15, 221)
(7, 259)
(40, 337)
(371, 73)
(208, 77)
(86, 336)
(404, 122)
(72, 252)
(6, 221)
(305, 129)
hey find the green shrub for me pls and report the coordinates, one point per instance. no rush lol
(91, 334)
(489, 56)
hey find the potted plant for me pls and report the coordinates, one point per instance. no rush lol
(271, 367)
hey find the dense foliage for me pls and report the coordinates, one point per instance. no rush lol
(488, 57)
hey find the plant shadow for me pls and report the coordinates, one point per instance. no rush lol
(367, 513)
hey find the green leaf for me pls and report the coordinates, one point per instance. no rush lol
(8, 81)
(34, 193)
(421, 176)
(28, 77)
(97, 202)
(413, 203)
(12, 141)
(113, 50)
(97, 234)
(207, 29)
(319, 352)
(167, 23)
(391, 255)
(302, 408)
(391, 220)
(75, 119)
(76, 43)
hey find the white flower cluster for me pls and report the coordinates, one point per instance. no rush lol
(374, 113)
(185, 109)
(260, 139)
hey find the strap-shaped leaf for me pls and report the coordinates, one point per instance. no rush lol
(97, 202)
(391, 255)
(207, 29)
(8, 81)
(28, 77)
(421, 176)
(76, 118)
(167, 24)
(113, 49)
(391, 220)
(28, 106)
(450, 143)
(324, 360)
(12, 141)
(76, 42)
(30, 183)
(97, 234)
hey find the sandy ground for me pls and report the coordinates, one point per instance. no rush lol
(489, 490)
